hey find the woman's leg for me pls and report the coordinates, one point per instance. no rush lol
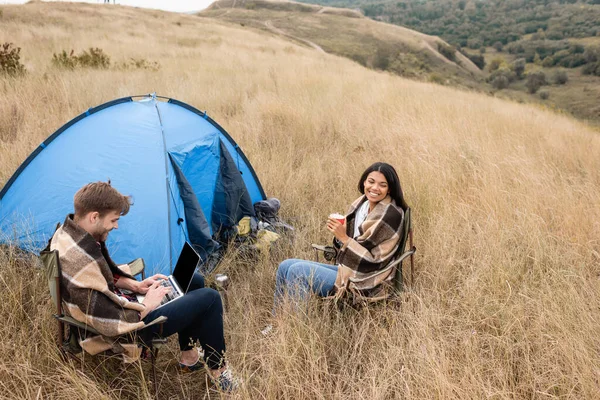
(196, 316)
(299, 277)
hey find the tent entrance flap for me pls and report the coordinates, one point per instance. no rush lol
(232, 201)
(197, 226)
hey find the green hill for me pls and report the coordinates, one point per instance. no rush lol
(557, 38)
(349, 34)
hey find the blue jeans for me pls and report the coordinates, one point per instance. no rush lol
(197, 316)
(299, 277)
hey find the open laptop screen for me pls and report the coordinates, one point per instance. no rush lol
(186, 266)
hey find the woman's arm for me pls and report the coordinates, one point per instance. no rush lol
(379, 240)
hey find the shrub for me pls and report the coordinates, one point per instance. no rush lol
(477, 59)
(140, 63)
(535, 80)
(447, 51)
(381, 60)
(495, 64)
(92, 58)
(548, 62)
(518, 67)
(544, 94)
(95, 58)
(560, 77)
(10, 63)
(500, 82)
(498, 46)
(436, 78)
(503, 71)
(592, 69)
(64, 60)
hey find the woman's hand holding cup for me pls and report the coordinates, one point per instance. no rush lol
(336, 224)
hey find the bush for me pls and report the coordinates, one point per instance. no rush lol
(381, 60)
(560, 77)
(518, 67)
(592, 69)
(544, 94)
(10, 63)
(477, 59)
(93, 58)
(447, 51)
(64, 60)
(548, 62)
(495, 64)
(498, 46)
(140, 63)
(500, 82)
(535, 80)
(436, 78)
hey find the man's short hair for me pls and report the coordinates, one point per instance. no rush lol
(100, 197)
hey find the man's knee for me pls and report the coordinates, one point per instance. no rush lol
(214, 298)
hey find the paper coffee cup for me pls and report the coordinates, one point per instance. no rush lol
(339, 217)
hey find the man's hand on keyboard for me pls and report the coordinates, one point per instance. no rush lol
(144, 285)
(154, 296)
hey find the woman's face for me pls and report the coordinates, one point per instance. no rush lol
(376, 187)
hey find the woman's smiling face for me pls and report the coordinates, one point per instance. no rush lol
(376, 187)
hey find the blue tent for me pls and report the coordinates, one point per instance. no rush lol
(188, 178)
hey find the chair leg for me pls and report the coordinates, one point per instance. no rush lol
(412, 263)
(153, 357)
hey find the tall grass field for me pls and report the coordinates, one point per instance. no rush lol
(505, 197)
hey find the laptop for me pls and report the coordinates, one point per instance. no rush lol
(182, 276)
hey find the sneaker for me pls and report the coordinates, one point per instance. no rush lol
(267, 330)
(226, 382)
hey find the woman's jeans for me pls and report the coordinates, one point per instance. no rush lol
(197, 316)
(299, 278)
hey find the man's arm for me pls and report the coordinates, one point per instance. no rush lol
(138, 287)
(128, 284)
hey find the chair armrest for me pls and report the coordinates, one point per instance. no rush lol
(136, 266)
(329, 252)
(319, 247)
(403, 256)
(74, 322)
(160, 320)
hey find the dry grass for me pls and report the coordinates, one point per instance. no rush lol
(505, 199)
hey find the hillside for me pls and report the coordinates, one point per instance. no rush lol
(506, 300)
(558, 39)
(347, 33)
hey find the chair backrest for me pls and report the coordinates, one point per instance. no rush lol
(406, 227)
(53, 275)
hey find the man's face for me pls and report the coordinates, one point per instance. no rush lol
(103, 225)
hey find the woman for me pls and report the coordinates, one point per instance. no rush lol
(366, 244)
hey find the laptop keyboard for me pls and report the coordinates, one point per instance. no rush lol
(172, 294)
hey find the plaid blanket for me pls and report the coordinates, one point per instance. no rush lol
(363, 260)
(88, 291)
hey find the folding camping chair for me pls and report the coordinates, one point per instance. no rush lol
(330, 253)
(68, 340)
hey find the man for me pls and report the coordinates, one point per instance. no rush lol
(92, 285)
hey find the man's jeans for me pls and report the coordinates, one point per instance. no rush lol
(197, 316)
(300, 277)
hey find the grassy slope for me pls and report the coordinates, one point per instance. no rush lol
(347, 33)
(579, 97)
(507, 296)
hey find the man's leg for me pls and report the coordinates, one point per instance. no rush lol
(197, 282)
(197, 316)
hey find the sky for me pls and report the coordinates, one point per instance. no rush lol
(167, 5)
